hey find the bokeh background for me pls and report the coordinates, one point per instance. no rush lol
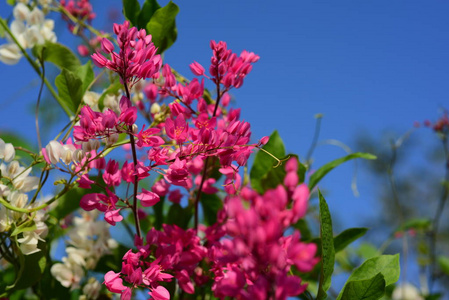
(371, 68)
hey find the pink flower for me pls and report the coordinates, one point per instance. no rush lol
(148, 139)
(177, 129)
(113, 216)
(111, 175)
(177, 173)
(160, 293)
(83, 50)
(113, 282)
(137, 56)
(148, 198)
(300, 198)
(196, 68)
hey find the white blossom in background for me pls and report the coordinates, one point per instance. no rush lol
(91, 290)
(406, 291)
(29, 28)
(16, 183)
(88, 240)
(91, 99)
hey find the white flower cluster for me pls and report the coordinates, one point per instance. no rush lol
(16, 182)
(30, 28)
(89, 240)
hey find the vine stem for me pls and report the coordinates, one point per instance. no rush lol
(206, 161)
(136, 182)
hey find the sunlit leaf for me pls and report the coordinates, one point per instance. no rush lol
(321, 172)
(327, 248)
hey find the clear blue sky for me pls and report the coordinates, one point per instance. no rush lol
(363, 64)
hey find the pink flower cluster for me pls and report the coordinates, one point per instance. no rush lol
(80, 9)
(255, 262)
(136, 58)
(108, 124)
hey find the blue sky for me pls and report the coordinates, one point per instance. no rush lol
(366, 65)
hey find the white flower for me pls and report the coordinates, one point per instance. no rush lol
(54, 150)
(5, 222)
(68, 274)
(28, 244)
(91, 99)
(21, 12)
(36, 17)
(92, 288)
(10, 54)
(406, 291)
(7, 152)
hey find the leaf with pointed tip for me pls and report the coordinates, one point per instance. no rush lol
(263, 163)
(321, 172)
(148, 9)
(388, 265)
(70, 89)
(367, 289)
(327, 248)
(131, 10)
(57, 54)
(162, 27)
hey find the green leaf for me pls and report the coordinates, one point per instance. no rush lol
(25, 227)
(417, 223)
(148, 9)
(321, 172)
(387, 265)
(443, 263)
(367, 251)
(11, 2)
(31, 268)
(327, 248)
(57, 54)
(131, 9)
(368, 289)
(86, 74)
(162, 26)
(304, 229)
(211, 204)
(178, 215)
(263, 163)
(348, 236)
(70, 201)
(159, 213)
(70, 89)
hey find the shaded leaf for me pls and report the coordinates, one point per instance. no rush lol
(417, 223)
(263, 163)
(57, 54)
(348, 236)
(368, 289)
(327, 248)
(86, 74)
(131, 10)
(387, 265)
(148, 9)
(162, 26)
(211, 204)
(321, 172)
(70, 201)
(31, 268)
(443, 263)
(70, 89)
